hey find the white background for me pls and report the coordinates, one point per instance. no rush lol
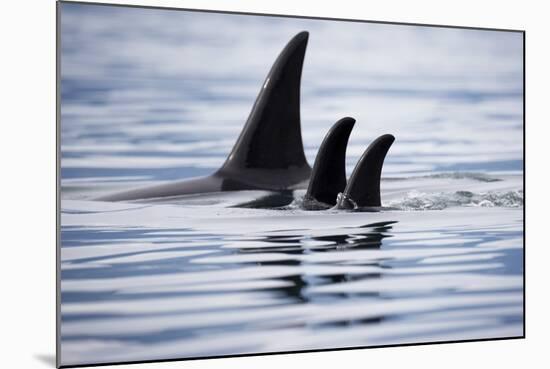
(27, 262)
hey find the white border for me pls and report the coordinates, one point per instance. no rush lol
(28, 181)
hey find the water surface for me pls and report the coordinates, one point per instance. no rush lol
(150, 96)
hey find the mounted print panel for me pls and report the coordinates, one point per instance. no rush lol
(237, 184)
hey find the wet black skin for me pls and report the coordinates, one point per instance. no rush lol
(363, 188)
(328, 178)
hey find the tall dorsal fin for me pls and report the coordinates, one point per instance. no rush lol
(269, 153)
(271, 138)
(363, 188)
(329, 171)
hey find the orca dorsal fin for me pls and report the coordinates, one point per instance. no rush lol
(363, 188)
(271, 138)
(328, 177)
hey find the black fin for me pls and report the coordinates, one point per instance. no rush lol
(271, 138)
(328, 177)
(363, 188)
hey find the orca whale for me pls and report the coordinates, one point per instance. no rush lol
(328, 186)
(363, 187)
(269, 153)
(328, 177)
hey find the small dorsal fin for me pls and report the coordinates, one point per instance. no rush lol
(328, 177)
(363, 188)
(271, 138)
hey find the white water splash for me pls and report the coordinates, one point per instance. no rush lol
(416, 200)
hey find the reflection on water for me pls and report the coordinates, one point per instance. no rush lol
(132, 293)
(150, 96)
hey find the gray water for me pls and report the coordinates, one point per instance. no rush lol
(150, 96)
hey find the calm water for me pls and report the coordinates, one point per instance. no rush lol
(150, 96)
